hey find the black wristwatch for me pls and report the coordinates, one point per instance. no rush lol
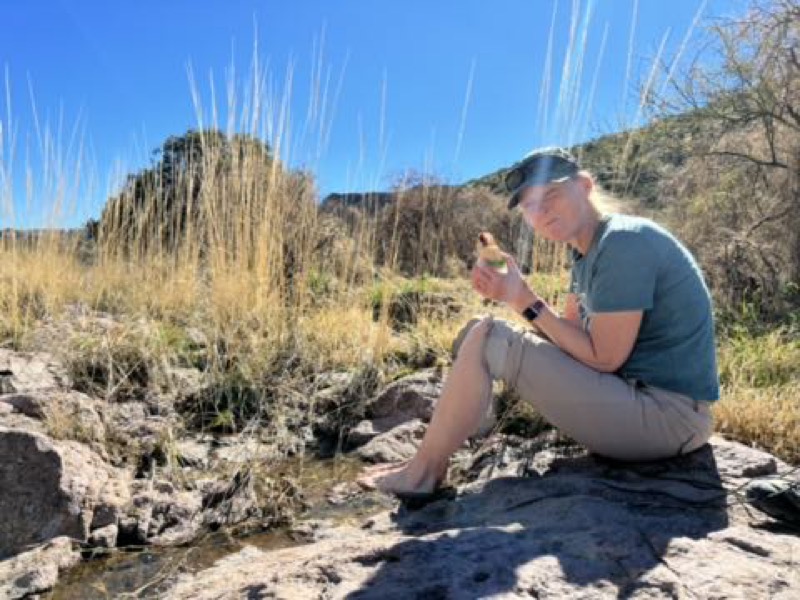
(533, 311)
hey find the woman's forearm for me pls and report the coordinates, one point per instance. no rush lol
(564, 333)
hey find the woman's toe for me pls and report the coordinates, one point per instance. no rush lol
(371, 479)
(380, 467)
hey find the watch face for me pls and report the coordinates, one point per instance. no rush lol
(533, 310)
(530, 313)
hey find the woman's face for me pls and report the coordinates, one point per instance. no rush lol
(557, 210)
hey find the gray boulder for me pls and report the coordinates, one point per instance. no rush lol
(104, 537)
(398, 444)
(573, 527)
(367, 430)
(49, 489)
(161, 515)
(412, 397)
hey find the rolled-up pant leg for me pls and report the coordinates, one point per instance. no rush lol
(602, 411)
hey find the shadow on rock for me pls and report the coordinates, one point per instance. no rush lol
(587, 523)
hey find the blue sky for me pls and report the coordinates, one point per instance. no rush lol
(450, 87)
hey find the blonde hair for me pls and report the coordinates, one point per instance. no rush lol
(601, 200)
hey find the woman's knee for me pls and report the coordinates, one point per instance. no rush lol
(475, 330)
(499, 344)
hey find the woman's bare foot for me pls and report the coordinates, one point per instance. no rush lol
(399, 479)
(382, 468)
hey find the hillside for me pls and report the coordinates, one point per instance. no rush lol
(632, 164)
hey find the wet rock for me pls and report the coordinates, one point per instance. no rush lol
(36, 571)
(49, 489)
(397, 444)
(163, 515)
(342, 493)
(306, 532)
(576, 526)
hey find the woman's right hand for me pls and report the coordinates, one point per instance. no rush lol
(500, 287)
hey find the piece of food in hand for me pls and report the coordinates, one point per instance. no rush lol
(489, 253)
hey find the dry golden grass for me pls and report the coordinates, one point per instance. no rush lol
(340, 337)
(760, 402)
(767, 417)
(33, 283)
(761, 380)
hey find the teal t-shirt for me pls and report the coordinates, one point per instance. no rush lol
(634, 264)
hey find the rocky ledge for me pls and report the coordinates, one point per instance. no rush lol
(531, 518)
(545, 526)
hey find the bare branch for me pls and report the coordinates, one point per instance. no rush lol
(766, 219)
(762, 163)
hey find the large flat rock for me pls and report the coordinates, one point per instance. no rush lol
(574, 528)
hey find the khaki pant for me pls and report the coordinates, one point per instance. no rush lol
(609, 415)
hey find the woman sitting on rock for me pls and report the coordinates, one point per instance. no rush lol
(629, 368)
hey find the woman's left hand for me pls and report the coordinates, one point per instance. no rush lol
(501, 287)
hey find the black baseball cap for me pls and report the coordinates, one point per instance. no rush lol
(540, 167)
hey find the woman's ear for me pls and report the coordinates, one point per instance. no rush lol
(586, 182)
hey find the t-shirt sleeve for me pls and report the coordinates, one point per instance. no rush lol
(624, 276)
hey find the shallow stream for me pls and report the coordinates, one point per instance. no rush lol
(145, 572)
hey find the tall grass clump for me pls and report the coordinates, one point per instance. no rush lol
(219, 235)
(760, 381)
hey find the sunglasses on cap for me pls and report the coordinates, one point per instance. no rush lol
(541, 167)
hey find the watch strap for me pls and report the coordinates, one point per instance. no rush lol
(533, 311)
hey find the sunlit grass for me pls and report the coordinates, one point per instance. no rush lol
(760, 403)
(338, 337)
(760, 377)
(758, 361)
(765, 417)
